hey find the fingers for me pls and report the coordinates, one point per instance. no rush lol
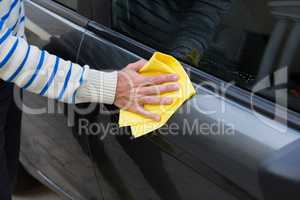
(142, 89)
(136, 66)
(153, 100)
(140, 110)
(155, 80)
(159, 89)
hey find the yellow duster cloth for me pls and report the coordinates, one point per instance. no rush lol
(159, 64)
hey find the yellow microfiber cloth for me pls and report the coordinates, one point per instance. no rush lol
(159, 64)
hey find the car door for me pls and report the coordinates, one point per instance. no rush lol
(49, 150)
(237, 138)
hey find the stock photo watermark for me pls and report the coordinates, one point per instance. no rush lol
(185, 128)
(206, 104)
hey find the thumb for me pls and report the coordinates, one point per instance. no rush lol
(136, 66)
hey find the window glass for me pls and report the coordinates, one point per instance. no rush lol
(239, 41)
(82, 7)
(73, 4)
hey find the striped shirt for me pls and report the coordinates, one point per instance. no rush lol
(42, 73)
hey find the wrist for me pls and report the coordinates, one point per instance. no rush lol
(100, 87)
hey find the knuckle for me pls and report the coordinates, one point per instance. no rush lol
(163, 88)
(169, 87)
(166, 87)
(156, 100)
(160, 79)
(140, 97)
(141, 91)
(164, 77)
(130, 65)
(146, 99)
(155, 90)
(149, 80)
(154, 79)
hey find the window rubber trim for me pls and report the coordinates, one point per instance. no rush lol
(241, 96)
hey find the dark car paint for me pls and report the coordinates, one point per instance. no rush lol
(234, 157)
(49, 150)
(194, 166)
(140, 154)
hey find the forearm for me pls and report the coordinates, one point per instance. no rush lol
(50, 76)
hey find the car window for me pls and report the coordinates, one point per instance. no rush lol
(73, 4)
(226, 38)
(83, 7)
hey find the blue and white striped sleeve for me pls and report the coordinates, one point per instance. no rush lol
(48, 75)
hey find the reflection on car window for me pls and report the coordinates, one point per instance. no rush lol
(82, 7)
(73, 4)
(226, 38)
(182, 28)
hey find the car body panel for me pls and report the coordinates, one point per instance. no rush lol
(182, 160)
(236, 156)
(49, 151)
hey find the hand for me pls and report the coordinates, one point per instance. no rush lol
(134, 90)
